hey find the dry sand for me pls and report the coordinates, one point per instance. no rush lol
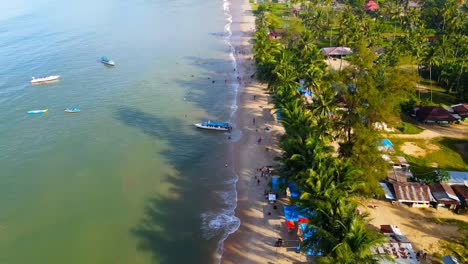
(254, 241)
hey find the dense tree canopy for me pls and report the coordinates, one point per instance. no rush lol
(345, 103)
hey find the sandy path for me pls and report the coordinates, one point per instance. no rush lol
(433, 131)
(253, 242)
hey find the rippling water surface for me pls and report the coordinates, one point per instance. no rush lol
(129, 179)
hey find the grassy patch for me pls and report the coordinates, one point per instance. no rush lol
(440, 151)
(408, 128)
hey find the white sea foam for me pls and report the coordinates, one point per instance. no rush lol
(222, 222)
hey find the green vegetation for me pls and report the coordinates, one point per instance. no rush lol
(287, 53)
(409, 128)
(457, 247)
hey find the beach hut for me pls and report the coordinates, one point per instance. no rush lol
(434, 114)
(462, 193)
(461, 110)
(413, 194)
(444, 195)
(336, 51)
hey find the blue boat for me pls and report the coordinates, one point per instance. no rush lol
(72, 110)
(107, 61)
(214, 125)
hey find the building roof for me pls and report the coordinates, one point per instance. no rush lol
(388, 194)
(330, 51)
(402, 253)
(444, 194)
(412, 192)
(461, 109)
(458, 177)
(462, 193)
(397, 175)
(434, 113)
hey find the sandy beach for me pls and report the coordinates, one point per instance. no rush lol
(261, 224)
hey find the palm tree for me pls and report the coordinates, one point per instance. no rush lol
(356, 244)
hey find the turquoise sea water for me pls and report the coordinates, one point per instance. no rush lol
(129, 179)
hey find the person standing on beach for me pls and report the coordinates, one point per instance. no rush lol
(253, 120)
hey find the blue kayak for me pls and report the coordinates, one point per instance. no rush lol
(40, 111)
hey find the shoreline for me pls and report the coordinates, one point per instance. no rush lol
(253, 241)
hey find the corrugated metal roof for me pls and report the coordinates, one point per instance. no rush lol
(458, 177)
(412, 192)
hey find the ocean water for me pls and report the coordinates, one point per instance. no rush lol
(129, 179)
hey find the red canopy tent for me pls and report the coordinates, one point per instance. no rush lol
(290, 224)
(371, 6)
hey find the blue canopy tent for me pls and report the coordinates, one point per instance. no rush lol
(307, 232)
(294, 191)
(290, 212)
(386, 142)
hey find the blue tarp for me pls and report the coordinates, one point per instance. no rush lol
(290, 212)
(275, 181)
(386, 142)
(295, 193)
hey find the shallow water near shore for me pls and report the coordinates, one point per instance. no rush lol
(129, 179)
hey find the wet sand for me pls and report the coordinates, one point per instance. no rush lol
(261, 224)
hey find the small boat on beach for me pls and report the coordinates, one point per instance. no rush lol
(214, 125)
(107, 61)
(37, 80)
(72, 110)
(40, 111)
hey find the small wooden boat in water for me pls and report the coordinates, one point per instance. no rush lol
(72, 110)
(45, 79)
(40, 111)
(107, 61)
(214, 125)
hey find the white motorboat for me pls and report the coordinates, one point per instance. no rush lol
(107, 61)
(214, 125)
(44, 79)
